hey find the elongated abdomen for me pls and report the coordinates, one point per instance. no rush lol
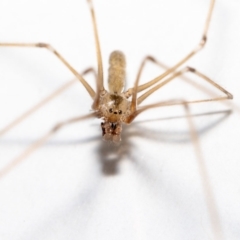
(116, 72)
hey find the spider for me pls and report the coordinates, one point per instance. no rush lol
(116, 106)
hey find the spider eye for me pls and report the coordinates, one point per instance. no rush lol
(110, 110)
(120, 111)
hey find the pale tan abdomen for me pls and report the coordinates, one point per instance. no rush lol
(116, 72)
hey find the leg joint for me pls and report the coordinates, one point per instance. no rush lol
(42, 45)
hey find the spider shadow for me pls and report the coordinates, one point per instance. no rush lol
(109, 157)
(110, 154)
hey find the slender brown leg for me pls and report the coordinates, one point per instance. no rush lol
(100, 86)
(46, 100)
(129, 92)
(51, 49)
(33, 147)
(134, 114)
(209, 195)
(199, 46)
(133, 91)
(179, 73)
(149, 58)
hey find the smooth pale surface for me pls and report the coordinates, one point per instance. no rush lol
(63, 190)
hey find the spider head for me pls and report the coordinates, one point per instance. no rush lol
(111, 131)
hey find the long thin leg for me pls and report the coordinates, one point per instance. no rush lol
(151, 59)
(146, 59)
(134, 114)
(133, 91)
(209, 196)
(191, 54)
(51, 49)
(46, 100)
(33, 147)
(179, 73)
(100, 86)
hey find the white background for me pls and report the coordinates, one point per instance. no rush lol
(68, 189)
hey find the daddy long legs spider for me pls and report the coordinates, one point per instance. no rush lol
(34, 207)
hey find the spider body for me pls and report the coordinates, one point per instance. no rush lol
(114, 107)
(117, 106)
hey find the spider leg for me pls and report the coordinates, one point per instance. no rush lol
(100, 86)
(209, 195)
(51, 49)
(134, 114)
(186, 79)
(207, 189)
(133, 91)
(43, 102)
(34, 146)
(179, 73)
(146, 59)
(200, 45)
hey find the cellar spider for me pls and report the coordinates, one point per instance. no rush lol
(124, 105)
(115, 106)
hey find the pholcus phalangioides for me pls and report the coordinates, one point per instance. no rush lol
(113, 127)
